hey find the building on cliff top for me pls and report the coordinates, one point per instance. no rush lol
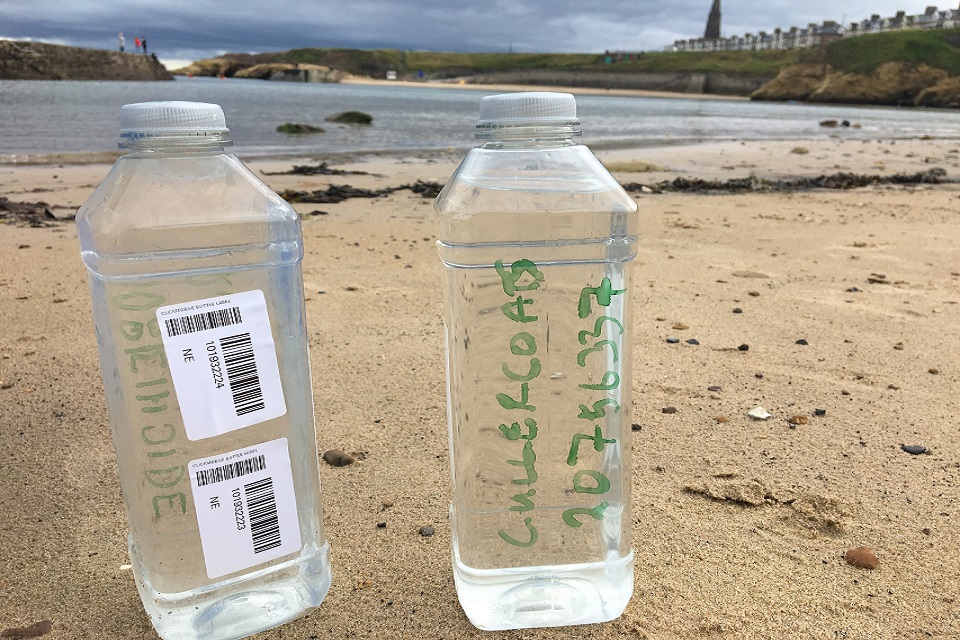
(814, 35)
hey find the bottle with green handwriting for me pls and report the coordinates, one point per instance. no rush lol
(538, 241)
(195, 276)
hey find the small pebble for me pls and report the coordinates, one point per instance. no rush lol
(797, 420)
(898, 346)
(673, 340)
(635, 427)
(913, 449)
(386, 504)
(753, 293)
(381, 525)
(802, 342)
(693, 341)
(6, 385)
(744, 347)
(853, 290)
(759, 413)
(680, 327)
(426, 531)
(668, 410)
(933, 370)
(737, 310)
(721, 419)
(24, 246)
(337, 458)
(352, 288)
(321, 291)
(714, 388)
(862, 557)
(819, 412)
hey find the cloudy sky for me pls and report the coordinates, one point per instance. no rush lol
(183, 30)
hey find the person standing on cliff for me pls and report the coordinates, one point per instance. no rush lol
(136, 43)
(122, 41)
(143, 43)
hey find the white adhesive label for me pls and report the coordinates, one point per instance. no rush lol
(246, 507)
(223, 362)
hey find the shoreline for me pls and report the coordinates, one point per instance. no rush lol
(81, 158)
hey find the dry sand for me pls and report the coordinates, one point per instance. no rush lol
(740, 526)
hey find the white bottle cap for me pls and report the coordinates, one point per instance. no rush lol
(149, 119)
(528, 107)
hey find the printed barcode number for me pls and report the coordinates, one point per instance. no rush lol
(203, 321)
(231, 471)
(262, 507)
(242, 373)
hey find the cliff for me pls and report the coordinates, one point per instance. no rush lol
(291, 72)
(730, 72)
(891, 83)
(39, 61)
(225, 65)
(315, 65)
(912, 67)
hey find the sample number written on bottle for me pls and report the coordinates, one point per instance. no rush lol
(601, 340)
(590, 481)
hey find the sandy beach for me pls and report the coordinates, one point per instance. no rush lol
(849, 302)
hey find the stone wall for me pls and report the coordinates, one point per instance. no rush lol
(709, 83)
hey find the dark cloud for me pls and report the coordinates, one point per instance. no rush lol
(203, 28)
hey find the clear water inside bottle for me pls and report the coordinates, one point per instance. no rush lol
(539, 389)
(169, 230)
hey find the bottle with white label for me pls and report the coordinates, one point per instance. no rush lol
(538, 242)
(195, 275)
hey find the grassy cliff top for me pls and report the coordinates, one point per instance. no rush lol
(863, 54)
(376, 62)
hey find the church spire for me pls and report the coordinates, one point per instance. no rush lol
(713, 22)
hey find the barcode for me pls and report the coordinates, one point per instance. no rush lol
(242, 373)
(262, 508)
(203, 321)
(231, 471)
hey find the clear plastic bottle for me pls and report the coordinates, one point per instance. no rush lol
(538, 240)
(194, 270)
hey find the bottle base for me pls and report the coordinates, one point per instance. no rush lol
(240, 607)
(555, 596)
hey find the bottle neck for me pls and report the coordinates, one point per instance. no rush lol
(500, 135)
(151, 145)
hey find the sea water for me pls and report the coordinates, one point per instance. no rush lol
(410, 118)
